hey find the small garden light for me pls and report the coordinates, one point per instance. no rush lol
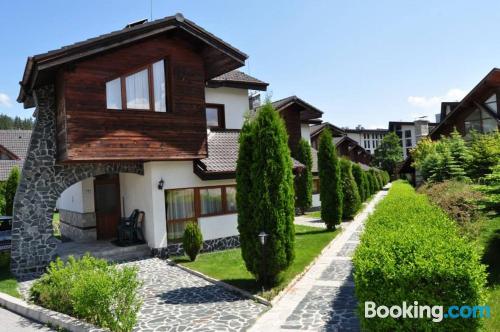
(263, 237)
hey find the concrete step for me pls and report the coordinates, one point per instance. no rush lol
(108, 252)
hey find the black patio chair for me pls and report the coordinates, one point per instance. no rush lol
(126, 228)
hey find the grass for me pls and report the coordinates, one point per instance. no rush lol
(229, 267)
(55, 225)
(489, 241)
(8, 283)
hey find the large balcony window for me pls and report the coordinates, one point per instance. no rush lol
(144, 89)
(480, 121)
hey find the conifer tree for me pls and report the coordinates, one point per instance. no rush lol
(366, 184)
(351, 201)
(303, 180)
(10, 189)
(265, 182)
(357, 172)
(330, 183)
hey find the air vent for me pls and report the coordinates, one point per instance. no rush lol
(133, 24)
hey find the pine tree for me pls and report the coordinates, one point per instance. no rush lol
(303, 180)
(267, 187)
(330, 183)
(458, 148)
(351, 201)
(357, 172)
(10, 190)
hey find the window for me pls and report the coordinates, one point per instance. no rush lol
(144, 89)
(491, 103)
(211, 201)
(315, 186)
(407, 133)
(215, 116)
(231, 199)
(408, 142)
(480, 121)
(180, 208)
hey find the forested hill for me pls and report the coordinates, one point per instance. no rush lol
(6, 122)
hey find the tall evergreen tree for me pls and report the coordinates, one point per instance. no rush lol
(303, 180)
(357, 172)
(366, 185)
(330, 183)
(459, 150)
(10, 190)
(351, 201)
(268, 189)
(389, 153)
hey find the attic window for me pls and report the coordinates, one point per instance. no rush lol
(144, 89)
(491, 103)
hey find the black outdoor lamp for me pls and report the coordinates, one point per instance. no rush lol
(160, 184)
(263, 237)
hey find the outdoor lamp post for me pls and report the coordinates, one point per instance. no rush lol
(263, 238)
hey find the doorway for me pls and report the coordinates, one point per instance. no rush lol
(107, 205)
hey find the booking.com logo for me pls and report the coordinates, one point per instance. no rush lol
(437, 312)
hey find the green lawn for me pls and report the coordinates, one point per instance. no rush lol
(8, 283)
(228, 266)
(55, 225)
(489, 240)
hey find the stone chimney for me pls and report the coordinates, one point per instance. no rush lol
(421, 129)
(254, 101)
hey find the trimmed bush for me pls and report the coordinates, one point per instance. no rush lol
(330, 182)
(411, 251)
(92, 290)
(303, 180)
(265, 195)
(192, 241)
(357, 172)
(366, 183)
(351, 201)
(10, 190)
(373, 182)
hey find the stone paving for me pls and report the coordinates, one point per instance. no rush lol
(323, 299)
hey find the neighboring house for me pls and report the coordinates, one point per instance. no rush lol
(368, 139)
(346, 146)
(446, 108)
(13, 148)
(410, 133)
(478, 110)
(147, 118)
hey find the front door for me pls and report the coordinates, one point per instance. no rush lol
(107, 205)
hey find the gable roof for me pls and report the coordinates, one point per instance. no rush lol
(40, 68)
(223, 149)
(479, 93)
(307, 111)
(237, 79)
(318, 129)
(16, 142)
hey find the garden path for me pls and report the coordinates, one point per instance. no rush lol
(323, 299)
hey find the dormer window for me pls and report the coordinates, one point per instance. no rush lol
(215, 116)
(144, 89)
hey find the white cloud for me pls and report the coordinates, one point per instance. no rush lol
(5, 100)
(434, 102)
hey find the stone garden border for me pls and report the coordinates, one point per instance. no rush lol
(46, 316)
(229, 287)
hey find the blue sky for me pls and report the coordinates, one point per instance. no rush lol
(361, 62)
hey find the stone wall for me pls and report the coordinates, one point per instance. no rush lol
(176, 249)
(42, 182)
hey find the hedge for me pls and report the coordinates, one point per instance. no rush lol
(411, 251)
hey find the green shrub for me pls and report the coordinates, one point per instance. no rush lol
(350, 193)
(389, 153)
(366, 185)
(10, 189)
(411, 251)
(92, 290)
(303, 180)
(460, 202)
(265, 195)
(485, 153)
(357, 172)
(492, 189)
(192, 241)
(330, 182)
(372, 184)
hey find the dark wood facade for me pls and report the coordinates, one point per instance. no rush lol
(87, 131)
(291, 117)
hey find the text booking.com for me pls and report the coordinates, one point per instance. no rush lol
(414, 311)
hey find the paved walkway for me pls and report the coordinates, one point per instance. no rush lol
(324, 298)
(12, 322)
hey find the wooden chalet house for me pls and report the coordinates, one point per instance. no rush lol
(146, 118)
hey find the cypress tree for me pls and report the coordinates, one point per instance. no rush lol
(268, 189)
(351, 200)
(357, 172)
(366, 185)
(10, 190)
(329, 179)
(372, 181)
(303, 180)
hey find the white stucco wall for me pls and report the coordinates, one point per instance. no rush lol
(78, 198)
(315, 200)
(305, 132)
(218, 226)
(235, 104)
